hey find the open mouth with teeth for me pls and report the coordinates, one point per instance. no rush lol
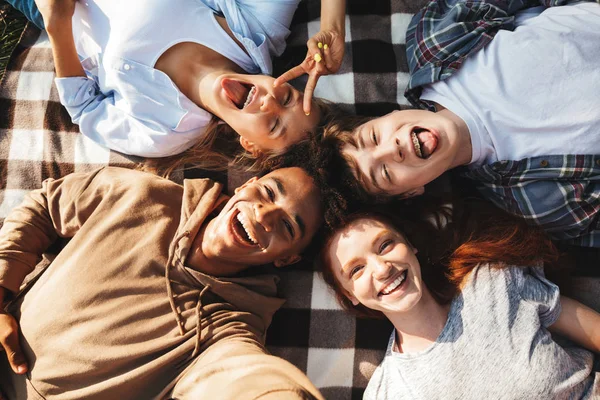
(424, 142)
(241, 94)
(395, 285)
(241, 228)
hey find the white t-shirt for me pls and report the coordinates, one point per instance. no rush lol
(533, 91)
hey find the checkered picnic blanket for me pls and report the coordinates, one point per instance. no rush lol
(38, 141)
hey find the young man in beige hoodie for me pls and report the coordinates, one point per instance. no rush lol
(143, 301)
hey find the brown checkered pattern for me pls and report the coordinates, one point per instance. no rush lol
(38, 141)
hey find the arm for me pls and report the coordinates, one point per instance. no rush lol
(102, 120)
(57, 15)
(578, 323)
(57, 209)
(95, 112)
(325, 49)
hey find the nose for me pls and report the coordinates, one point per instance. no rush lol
(269, 103)
(265, 215)
(389, 151)
(381, 268)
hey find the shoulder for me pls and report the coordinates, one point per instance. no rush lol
(135, 183)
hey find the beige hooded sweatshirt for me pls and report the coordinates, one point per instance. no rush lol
(117, 314)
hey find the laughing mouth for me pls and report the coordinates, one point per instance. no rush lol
(241, 228)
(394, 285)
(416, 144)
(424, 142)
(240, 93)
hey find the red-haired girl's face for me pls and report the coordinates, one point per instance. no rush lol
(376, 266)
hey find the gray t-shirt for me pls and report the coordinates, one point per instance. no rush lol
(495, 345)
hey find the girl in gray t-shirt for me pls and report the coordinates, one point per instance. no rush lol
(473, 318)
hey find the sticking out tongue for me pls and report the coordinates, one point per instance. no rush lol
(428, 142)
(236, 91)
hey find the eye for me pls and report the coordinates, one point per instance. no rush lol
(385, 173)
(270, 193)
(374, 138)
(355, 270)
(288, 97)
(275, 125)
(289, 228)
(384, 245)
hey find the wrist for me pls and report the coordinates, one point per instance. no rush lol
(58, 27)
(333, 16)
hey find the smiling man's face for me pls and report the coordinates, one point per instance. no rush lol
(268, 220)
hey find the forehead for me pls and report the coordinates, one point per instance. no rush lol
(362, 228)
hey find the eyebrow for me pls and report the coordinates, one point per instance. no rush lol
(374, 179)
(296, 99)
(360, 142)
(282, 131)
(299, 221)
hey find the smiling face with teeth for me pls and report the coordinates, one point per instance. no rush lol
(399, 153)
(268, 220)
(376, 267)
(267, 118)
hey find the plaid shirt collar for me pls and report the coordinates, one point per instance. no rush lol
(444, 33)
(560, 193)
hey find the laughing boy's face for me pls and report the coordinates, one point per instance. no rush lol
(271, 219)
(399, 153)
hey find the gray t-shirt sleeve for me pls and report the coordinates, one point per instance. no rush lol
(536, 289)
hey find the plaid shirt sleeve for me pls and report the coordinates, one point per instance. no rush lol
(560, 193)
(444, 33)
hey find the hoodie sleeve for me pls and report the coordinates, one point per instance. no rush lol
(58, 209)
(242, 369)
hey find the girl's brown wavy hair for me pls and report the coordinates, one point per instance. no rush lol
(220, 149)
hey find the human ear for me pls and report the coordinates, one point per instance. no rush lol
(249, 146)
(249, 181)
(412, 193)
(289, 260)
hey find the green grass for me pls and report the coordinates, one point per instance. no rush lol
(12, 24)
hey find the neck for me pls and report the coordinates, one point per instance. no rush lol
(192, 66)
(202, 259)
(418, 328)
(203, 71)
(464, 146)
